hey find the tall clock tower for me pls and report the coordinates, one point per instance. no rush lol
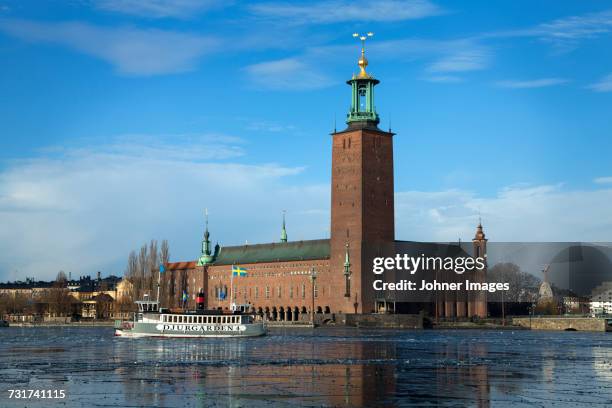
(362, 210)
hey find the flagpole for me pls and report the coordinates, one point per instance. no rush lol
(158, 283)
(231, 286)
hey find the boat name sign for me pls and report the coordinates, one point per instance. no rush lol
(201, 327)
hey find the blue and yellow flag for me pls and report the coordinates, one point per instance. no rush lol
(238, 271)
(185, 296)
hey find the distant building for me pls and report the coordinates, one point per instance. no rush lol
(601, 299)
(576, 305)
(98, 307)
(89, 298)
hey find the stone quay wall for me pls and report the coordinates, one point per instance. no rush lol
(563, 323)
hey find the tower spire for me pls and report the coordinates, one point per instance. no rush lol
(206, 255)
(283, 237)
(347, 272)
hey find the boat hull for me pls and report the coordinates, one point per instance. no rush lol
(145, 329)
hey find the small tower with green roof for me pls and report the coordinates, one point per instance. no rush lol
(205, 257)
(362, 87)
(283, 237)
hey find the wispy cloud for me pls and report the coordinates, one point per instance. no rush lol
(131, 51)
(441, 56)
(444, 79)
(336, 11)
(160, 8)
(83, 208)
(269, 126)
(287, 74)
(452, 214)
(603, 85)
(565, 33)
(531, 83)
(462, 61)
(603, 180)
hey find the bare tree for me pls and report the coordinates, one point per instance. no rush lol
(61, 279)
(523, 286)
(58, 301)
(164, 252)
(164, 258)
(143, 268)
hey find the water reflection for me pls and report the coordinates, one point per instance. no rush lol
(330, 367)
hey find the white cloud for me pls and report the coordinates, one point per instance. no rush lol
(565, 33)
(287, 74)
(577, 27)
(130, 50)
(604, 85)
(603, 180)
(83, 209)
(461, 61)
(517, 213)
(532, 83)
(445, 79)
(160, 8)
(336, 11)
(269, 126)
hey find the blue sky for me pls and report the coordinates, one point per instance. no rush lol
(120, 121)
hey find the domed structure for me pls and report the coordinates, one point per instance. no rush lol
(581, 268)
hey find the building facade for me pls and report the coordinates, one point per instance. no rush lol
(287, 280)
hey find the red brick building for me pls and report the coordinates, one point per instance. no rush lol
(279, 281)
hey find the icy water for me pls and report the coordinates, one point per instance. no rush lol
(335, 367)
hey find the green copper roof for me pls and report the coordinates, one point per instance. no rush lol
(274, 252)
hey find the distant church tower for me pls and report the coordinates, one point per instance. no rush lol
(362, 211)
(477, 306)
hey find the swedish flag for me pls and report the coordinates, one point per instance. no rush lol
(238, 271)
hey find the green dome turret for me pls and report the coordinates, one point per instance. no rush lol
(362, 86)
(205, 256)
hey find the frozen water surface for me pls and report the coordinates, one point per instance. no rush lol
(300, 367)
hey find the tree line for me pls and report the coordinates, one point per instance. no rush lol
(142, 271)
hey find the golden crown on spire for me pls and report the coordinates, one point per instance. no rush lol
(363, 61)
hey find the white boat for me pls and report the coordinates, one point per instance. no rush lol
(153, 321)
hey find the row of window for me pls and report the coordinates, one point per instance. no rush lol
(265, 274)
(201, 319)
(221, 292)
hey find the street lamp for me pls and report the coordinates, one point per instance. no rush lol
(313, 278)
